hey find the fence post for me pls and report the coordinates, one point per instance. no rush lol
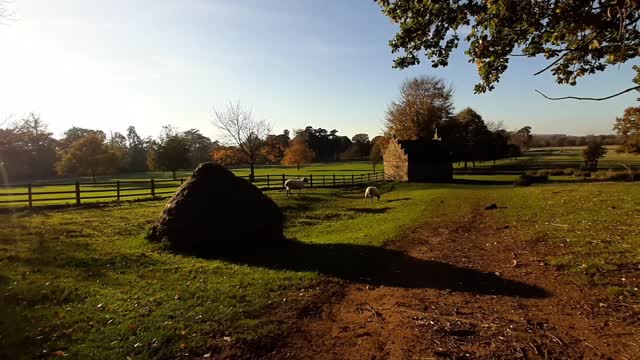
(153, 188)
(283, 179)
(311, 180)
(334, 180)
(181, 181)
(118, 191)
(352, 180)
(322, 179)
(77, 192)
(268, 181)
(30, 198)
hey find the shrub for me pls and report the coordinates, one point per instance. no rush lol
(616, 175)
(527, 179)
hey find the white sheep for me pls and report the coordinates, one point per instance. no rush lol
(370, 193)
(295, 184)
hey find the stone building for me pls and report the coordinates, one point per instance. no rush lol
(417, 161)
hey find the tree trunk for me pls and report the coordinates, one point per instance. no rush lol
(252, 176)
(298, 166)
(174, 174)
(465, 164)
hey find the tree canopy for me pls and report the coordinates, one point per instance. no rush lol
(27, 149)
(298, 153)
(577, 37)
(172, 151)
(424, 103)
(628, 126)
(89, 155)
(592, 153)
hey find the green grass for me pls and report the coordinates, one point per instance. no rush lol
(137, 186)
(597, 224)
(554, 158)
(84, 281)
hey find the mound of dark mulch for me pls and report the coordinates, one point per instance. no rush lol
(214, 212)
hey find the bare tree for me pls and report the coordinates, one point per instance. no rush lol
(242, 130)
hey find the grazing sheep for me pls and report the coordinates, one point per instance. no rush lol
(293, 184)
(371, 192)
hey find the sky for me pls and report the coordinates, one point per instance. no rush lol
(147, 63)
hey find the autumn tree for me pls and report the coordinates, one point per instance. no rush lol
(88, 156)
(172, 151)
(275, 146)
(298, 153)
(577, 38)
(425, 103)
(628, 126)
(228, 156)
(592, 153)
(241, 129)
(76, 133)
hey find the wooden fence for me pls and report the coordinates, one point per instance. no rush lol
(78, 193)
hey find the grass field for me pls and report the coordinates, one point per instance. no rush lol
(138, 186)
(85, 282)
(556, 158)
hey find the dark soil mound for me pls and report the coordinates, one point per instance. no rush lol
(215, 211)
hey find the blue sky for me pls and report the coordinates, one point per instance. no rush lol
(111, 64)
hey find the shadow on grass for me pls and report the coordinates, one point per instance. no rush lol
(383, 267)
(370, 210)
(481, 182)
(395, 200)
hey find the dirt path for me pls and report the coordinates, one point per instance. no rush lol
(468, 292)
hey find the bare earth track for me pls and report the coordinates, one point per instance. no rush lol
(472, 291)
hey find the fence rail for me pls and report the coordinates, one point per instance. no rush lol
(37, 194)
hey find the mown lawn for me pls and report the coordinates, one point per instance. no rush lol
(86, 283)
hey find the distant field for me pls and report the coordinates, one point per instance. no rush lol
(138, 185)
(555, 158)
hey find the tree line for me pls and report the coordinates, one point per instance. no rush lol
(424, 110)
(29, 151)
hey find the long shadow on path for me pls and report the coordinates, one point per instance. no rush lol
(379, 266)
